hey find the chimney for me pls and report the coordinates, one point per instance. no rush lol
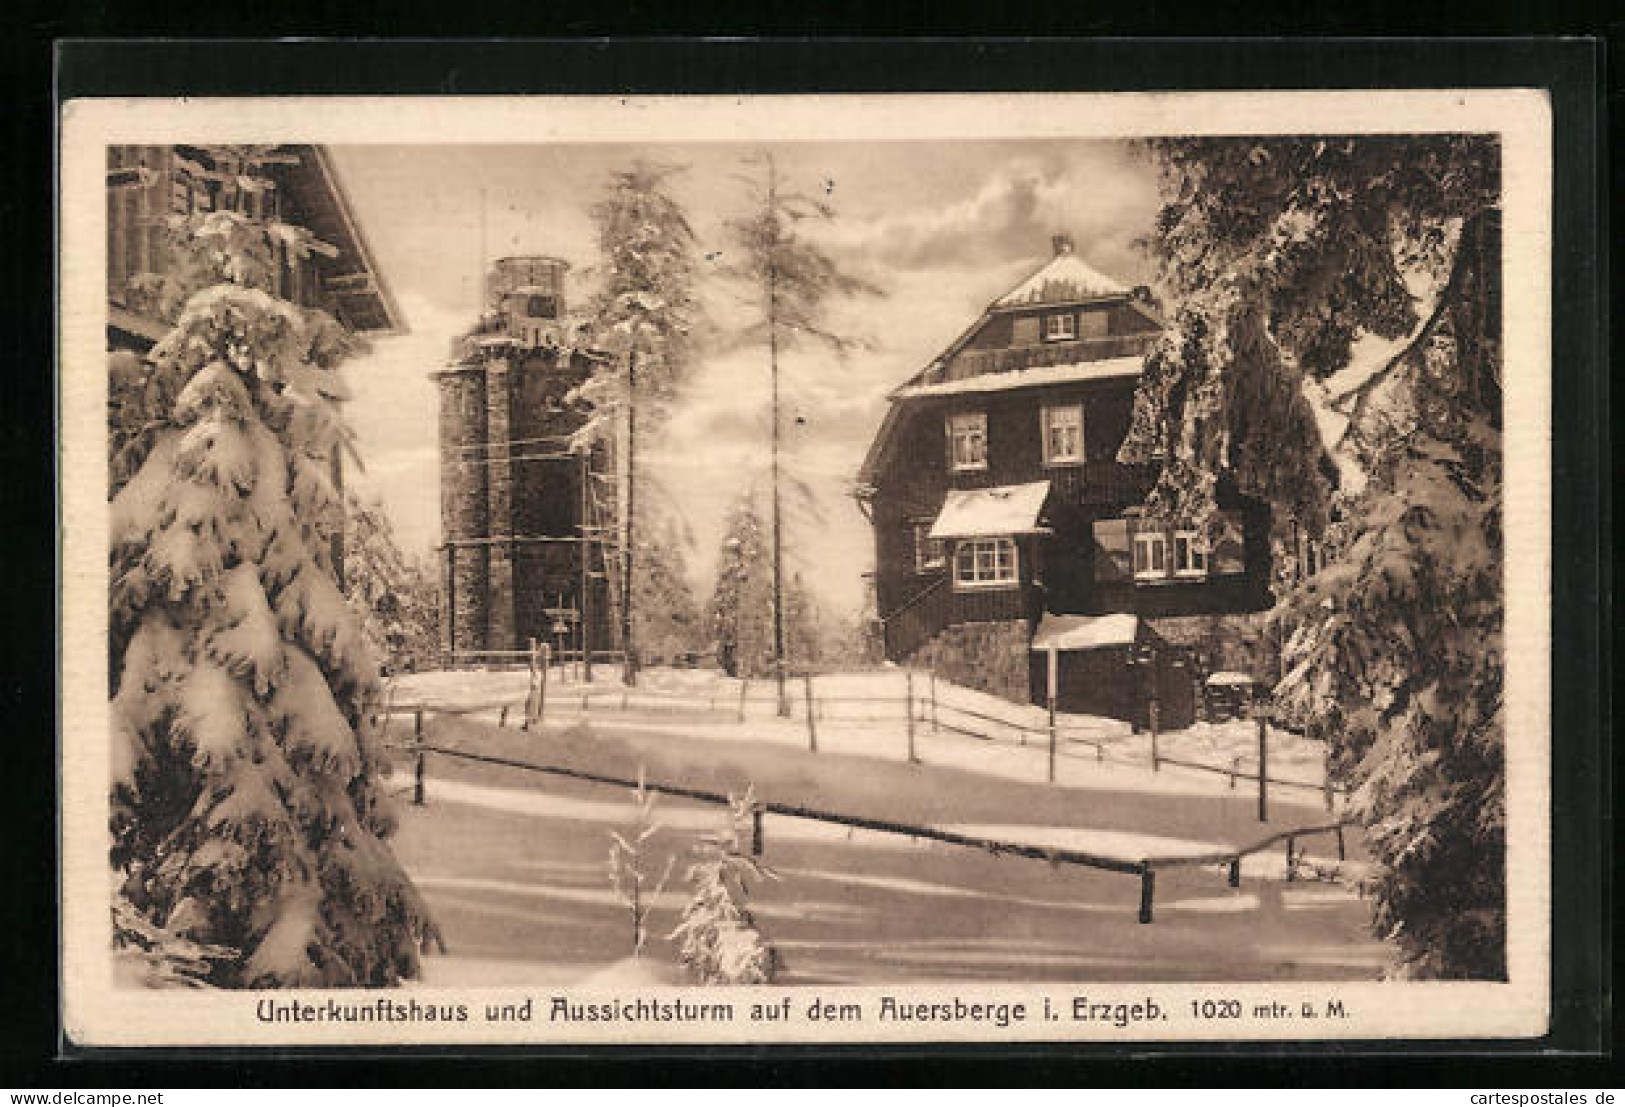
(1062, 243)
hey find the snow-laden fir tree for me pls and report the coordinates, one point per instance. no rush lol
(741, 610)
(794, 282)
(394, 595)
(248, 814)
(646, 316)
(667, 622)
(718, 940)
(1335, 350)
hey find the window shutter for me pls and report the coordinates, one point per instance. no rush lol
(1229, 544)
(1114, 557)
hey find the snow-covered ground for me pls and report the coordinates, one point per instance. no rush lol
(513, 865)
(513, 862)
(864, 714)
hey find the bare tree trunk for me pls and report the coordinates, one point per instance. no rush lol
(773, 360)
(584, 611)
(629, 668)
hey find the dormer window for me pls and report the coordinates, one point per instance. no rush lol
(1060, 326)
(967, 441)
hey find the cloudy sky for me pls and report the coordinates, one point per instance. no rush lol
(943, 228)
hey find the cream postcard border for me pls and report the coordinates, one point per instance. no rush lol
(96, 1012)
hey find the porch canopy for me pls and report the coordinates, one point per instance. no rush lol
(1085, 632)
(1004, 511)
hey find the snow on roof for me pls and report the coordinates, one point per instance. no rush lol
(1218, 679)
(1065, 278)
(1085, 632)
(1068, 373)
(986, 512)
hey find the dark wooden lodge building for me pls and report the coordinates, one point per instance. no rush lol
(1006, 527)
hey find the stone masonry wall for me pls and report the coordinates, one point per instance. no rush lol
(990, 657)
(1225, 643)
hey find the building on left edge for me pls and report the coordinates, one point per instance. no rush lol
(147, 185)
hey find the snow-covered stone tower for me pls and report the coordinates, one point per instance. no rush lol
(523, 548)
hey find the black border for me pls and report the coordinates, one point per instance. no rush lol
(1581, 596)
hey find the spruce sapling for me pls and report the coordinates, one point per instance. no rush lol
(720, 942)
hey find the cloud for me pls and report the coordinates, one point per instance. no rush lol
(1103, 197)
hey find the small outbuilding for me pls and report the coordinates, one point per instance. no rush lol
(1113, 665)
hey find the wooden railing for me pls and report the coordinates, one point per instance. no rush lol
(971, 363)
(1143, 867)
(919, 618)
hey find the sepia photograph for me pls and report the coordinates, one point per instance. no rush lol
(780, 569)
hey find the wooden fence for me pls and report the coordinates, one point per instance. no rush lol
(919, 705)
(1145, 868)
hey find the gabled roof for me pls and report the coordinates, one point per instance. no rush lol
(1065, 278)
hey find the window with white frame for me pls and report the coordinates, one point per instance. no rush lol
(929, 555)
(1060, 326)
(985, 563)
(1190, 553)
(967, 441)
(1062, 429)
(1150, 555)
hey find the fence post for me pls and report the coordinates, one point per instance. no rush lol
(744, 687)
(502, 719)
(908, 710)
(1052, 740)
(1050, 681)
(933, 672)
(1326, 772)
(1290, 868)
(530, 688)
(1235, 871)
(417, 780)
(417, 726)
(1263, 768)
(812, 728)
(1342, 848)
(1156, 757)
(756, 843)
(1148, 891)
(541, 688)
